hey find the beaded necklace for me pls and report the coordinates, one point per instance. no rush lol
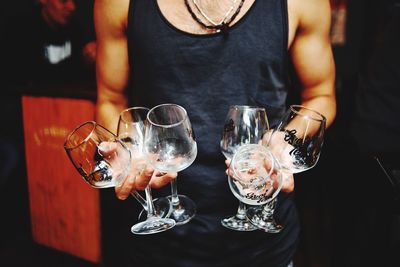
(223, 25)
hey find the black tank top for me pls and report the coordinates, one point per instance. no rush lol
(206, 74)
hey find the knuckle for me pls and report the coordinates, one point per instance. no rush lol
(121, 196)
(130, 183)
(141, 186)
(158, 183)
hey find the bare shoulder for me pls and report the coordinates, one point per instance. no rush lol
(310, 15)
(111, 14)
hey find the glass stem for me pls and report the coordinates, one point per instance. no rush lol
(140, 199)
(150, 204)
(174, 193)
(268, 210)
(241, 211)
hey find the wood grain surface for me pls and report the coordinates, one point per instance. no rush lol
(64, 209)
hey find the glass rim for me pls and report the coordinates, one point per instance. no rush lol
(264, 149)
(246, 106)
(296, 109)
(94, 125)
(167, 125)
(129, 109)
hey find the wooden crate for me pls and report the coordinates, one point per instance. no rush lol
(64, 209)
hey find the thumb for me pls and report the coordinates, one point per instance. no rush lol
(143, 179)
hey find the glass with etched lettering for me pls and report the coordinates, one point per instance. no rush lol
(298, 139)
(254, 175)
(131, 130)
(170, 146)
(296, 143)
(243, 125)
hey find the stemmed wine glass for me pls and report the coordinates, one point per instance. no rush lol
(131, 130)
(254, 175)
(243, 125)
(131, 122)
(296, 143)
(170, 146)
(99, 156)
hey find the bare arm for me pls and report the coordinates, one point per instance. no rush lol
(310, 50)
(312, 55)
(112, 72)
(112, 68)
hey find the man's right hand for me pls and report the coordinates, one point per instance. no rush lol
(140, 174)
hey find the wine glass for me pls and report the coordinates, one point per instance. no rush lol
(130, 124)
(87, 147)
(131, 130)
(170, 146)
(254, 175)
(99, 156)
(243, 125)
(296, 143)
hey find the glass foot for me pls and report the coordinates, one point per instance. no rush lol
(238, 224)
(182, 211)
(162, 208)
(263, 220)
(152, 225)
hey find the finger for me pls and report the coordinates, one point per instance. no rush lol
(287, 183)
(269, 165)
(230, 172)
(227, 163)
(143, 179)
(266, 137)
(125, 187)
(161, 179)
